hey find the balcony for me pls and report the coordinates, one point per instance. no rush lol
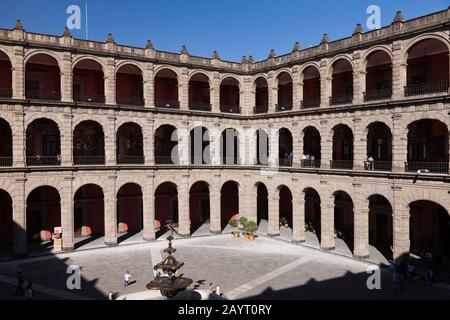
(378, 165)
(88, 160)
(230, 109)
(310, 104)
(90, 98)
(427, 167)
(130, 160)
(344, 99)
(5, 92)
(341, 164)
(310, 163)
(284, 163)
(38, 161)
(261, 109)
(283, 107)
(42, 95)
(164, 160)
(426, 88)
(378, 94)
(167, 103)
(130, 101)
(6, 161)
(200, 106)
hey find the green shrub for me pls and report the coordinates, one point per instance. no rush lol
(243, 221)
(233, 223)
(250, 227)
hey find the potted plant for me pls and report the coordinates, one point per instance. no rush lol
(250, 228)
(234, 224)
(284, 222)
(242, 222)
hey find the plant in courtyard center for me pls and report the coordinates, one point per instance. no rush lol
(234, 224)
(242, 222)
(250, 228)
(284, 222)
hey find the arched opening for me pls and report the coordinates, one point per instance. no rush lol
(261, 95)
(429, 230)
(166, 207)
(311, 148)
(43, 143)
(378, 76)
(380, 225)
(311, 87)
(285, 99)
(42, 78)
(6, 221)
(129, 211)
(342, 147)
(129, 86)
(229, 146)
(262, 205)
(129, 143)
(428, 68)
(379, 147)
(166, 89)
(427, 146)
(166, 145)
(285, 210)
(199, 93)
(6, 145)
(343, 221)
(199, 208)
(312, 216)
(88, 143)
(230, 95)
(199, 146)
(229, 202)
(5, 76)
(262, 147)
(89, 216)
(43, 215)
(341, 83)
(88, 82)
(285, 145)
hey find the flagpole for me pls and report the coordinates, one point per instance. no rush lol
(87, 30)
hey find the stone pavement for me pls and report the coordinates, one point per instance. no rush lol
(265, 268)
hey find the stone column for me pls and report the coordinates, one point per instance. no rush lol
(149, 141)
(325, 84)
(66, 77)
(298, 228)
(245, 97)
(110, 212)
(327, 223)
(183, 89)
(400, 222)
(110, 140)
(183, 143)
(357, 78)
(244, 157)
(399, 144)
(215, 93)
(273, 135)
(148, 85)
(270, 93)
(67, 214)
(19, 217)
(245, 194)
(252, 200)
(297, 141)
(252, 141)
(18, 139)
(214, 138)
(361, 222)
(359, 144)
(183, 206)
(110, 82)
(148, 208)
(399, 67)
(326, 145)
(214, 199)
(297, 91)
(18, 73)
(67, 141)
(274, 214)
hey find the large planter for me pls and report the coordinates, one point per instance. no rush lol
(235, 234)
(249, 236)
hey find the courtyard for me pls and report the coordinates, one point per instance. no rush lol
(266, 268)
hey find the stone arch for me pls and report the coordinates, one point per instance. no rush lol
(34, 52)
(335, 59)
(168, 67)
(129, 62)
(201, 72)
(410, 43)
(81, 58)
(371, 50)
(312, 64)
(229, 75)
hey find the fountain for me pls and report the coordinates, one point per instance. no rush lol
(169, 284)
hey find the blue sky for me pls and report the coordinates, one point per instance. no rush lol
(233, 28)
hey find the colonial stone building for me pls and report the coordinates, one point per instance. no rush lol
(347, 138)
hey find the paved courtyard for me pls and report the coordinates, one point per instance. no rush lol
(262, 269)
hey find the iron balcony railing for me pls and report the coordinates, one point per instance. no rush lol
(310, 103)
(165, 160)
(43, 161)
(261, 109)
(200, 106)
(346, 98)
(426, 87)
(88, 160)
(91, 98)
(378, 165)
(286, 106)
(130, 101)
(378, 94)
(284, 163)
(341, 164)
(167, 103)
(42, 94)
(230, 109)
(6, 161)
(423, 167)
(310, 163)
(130, 159)
(5, 92)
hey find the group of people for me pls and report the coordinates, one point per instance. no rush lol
(308, 160)
(27, 291)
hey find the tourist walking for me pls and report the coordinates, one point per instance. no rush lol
(20, 283)
(126, 279)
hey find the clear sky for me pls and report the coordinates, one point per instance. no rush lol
(234, 28)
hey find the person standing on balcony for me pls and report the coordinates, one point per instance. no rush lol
(370, 163)
(290, 158)
(312, 161)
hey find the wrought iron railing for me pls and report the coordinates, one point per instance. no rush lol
(346, 98)
(91, 98)
(165, 160)
(5, 92)
(378, 165)
(130, 159)
(88, 160)
(167, 103)
(42, 94)
(286, 106)
(230, 109)
(200, 106)
(261, 109)
(310, 163)
(130, 101)
(310, 103)
(284, 163)
(423, 167)
(426, 87)
(6, 161)
(43, 161)
(378, 94)
(341, 164)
